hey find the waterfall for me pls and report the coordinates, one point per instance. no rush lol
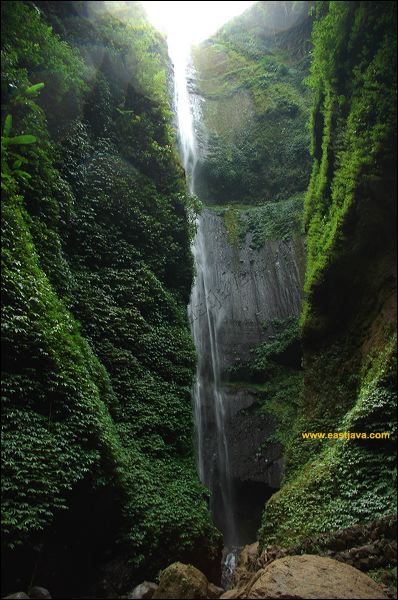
(180, 56)
(237, 288)
(210, 409)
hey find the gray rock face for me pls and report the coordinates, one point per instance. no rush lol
(146, 589)
(245, 287)
(237, 289)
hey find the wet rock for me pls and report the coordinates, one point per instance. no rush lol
(146, 589)
(182, 581)
(240, 300)
(363, 549)
(18, 595)
(246, 566)
(39, 593)
(308, 576)
(213, 591)
(391, 552)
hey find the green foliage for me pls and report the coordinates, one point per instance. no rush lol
(275, 376)
(349, 338)
(270, 221)
(279, 396)
(353, 129)
(255, 111)
(56, 426)
(273, 220)
(335, 483)
(285, 334)
(97, 274)
(7, 171)
(232, 224)
(32, 54)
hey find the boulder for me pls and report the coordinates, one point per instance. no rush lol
(40, 593)
(246, 565)
(308, 576)
(214, 592)
(18, 595)
(146, 589)
(182, 581)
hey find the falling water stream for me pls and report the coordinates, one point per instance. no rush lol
(237, 288)
(210, 408)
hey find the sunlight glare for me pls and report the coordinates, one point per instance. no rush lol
(192, 22)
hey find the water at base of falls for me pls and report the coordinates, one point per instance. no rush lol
(229, 561)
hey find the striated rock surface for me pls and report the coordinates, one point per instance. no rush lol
(308, 576)
(245, 287)
(239, 287)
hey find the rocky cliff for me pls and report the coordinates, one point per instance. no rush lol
(247, 86)
(247, 287)
(349, 314)
(348, 318)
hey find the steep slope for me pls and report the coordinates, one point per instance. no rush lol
(255, 106)
(349, 316)
(98, 360)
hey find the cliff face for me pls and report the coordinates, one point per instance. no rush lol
(98, 360)
(349, 315)
(246, 288)
(252, 171)
(249, 140)
(253, 133)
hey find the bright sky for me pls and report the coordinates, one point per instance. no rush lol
(193, 21)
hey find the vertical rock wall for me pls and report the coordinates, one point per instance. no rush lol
(244, 288)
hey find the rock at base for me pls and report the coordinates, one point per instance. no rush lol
(182, 581)
(308, 576)
(18, 595)
(214, 592)
(146, 589)
(39, 593)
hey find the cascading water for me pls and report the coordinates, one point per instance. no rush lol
(180, 56)
(210, 409)
(237, 288)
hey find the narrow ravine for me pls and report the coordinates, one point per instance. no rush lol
(237, 288)
(198, 300)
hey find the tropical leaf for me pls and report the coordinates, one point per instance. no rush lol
(21, 139)
(7, 125)
(33, 89)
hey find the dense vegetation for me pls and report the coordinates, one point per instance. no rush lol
(98, 468)
(349, 318)
(250, 75)
(98, 360)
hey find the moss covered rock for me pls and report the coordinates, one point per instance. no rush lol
(182, 581)
(308, 577)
